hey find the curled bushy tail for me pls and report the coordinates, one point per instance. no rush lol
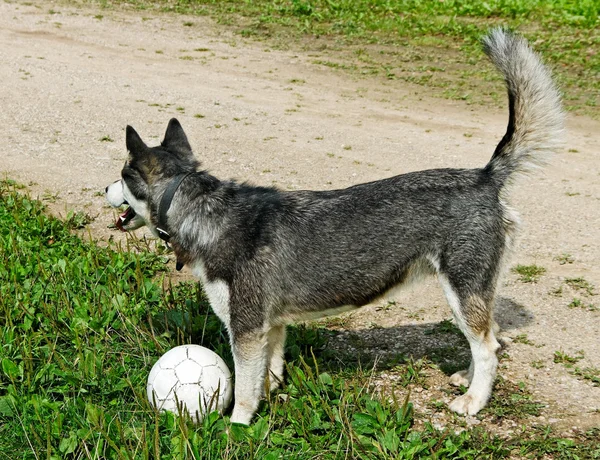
(535, 124)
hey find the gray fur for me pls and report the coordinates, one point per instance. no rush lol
(268, 257)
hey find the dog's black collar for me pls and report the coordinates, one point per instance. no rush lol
(165, 204)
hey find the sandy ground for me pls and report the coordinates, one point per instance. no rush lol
(72, 79)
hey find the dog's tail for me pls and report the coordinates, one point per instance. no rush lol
(535, 123)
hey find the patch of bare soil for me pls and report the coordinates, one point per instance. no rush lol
(73, 78)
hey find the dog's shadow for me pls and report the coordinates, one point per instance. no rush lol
(385, 348)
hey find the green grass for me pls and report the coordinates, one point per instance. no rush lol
(83, 324)
(529, 273)
(581, 284)
(429, 43)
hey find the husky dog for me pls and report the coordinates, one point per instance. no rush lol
(268, 257)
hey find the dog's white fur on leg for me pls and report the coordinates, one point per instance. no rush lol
(485, 363)
(463, 378)
(250, 359)
(275, 344)
(482, 370)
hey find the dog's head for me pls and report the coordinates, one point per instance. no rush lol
(145, 174)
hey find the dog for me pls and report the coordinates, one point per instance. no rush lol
(267, 257)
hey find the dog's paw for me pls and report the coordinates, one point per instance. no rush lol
(460, 379)
(467, 405)
(241, 415)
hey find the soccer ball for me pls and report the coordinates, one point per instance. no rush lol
(190, 378)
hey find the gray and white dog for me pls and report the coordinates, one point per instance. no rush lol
(268, 257)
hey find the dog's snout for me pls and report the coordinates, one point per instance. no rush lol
(106, 189)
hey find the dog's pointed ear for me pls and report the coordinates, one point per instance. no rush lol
(133, 141)
(175, 139)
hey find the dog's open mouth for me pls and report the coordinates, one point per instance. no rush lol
(125, 218)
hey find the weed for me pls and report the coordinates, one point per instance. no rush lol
(591, 374)
(565, 259)
(77, 220)
(560, 357)
(512, 401)
(558, 292)
(444, 327)
(50, 197)
(581, 284)
(522, 338)
(578, 303)
(106, 138)
(539, 364)
(529, 273)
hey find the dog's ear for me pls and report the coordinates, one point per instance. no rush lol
(175, 139)
(134, 142)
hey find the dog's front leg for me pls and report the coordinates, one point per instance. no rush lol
(276, 345)
(250, 352)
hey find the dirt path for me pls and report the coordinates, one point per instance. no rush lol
(72, 79)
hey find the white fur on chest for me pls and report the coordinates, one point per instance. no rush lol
(217, 292)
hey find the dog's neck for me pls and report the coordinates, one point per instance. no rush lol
(162, 226)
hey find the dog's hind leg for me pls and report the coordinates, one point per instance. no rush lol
(250, 351)
(463, 378)
(474, 316)
(275, 350)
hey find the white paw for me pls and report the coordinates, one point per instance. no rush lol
(460, 378)
(241, 415)
(467, 405)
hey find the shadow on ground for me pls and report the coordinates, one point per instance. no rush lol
(384, 348)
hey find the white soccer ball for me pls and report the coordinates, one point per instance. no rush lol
(190, 378)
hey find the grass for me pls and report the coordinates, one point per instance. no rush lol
(581, 284)
(560, 357)
(529, 273)
(431, 44)
(83, 324)
(590, 374)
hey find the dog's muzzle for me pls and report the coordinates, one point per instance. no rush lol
(114, 196)
(125, 218)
